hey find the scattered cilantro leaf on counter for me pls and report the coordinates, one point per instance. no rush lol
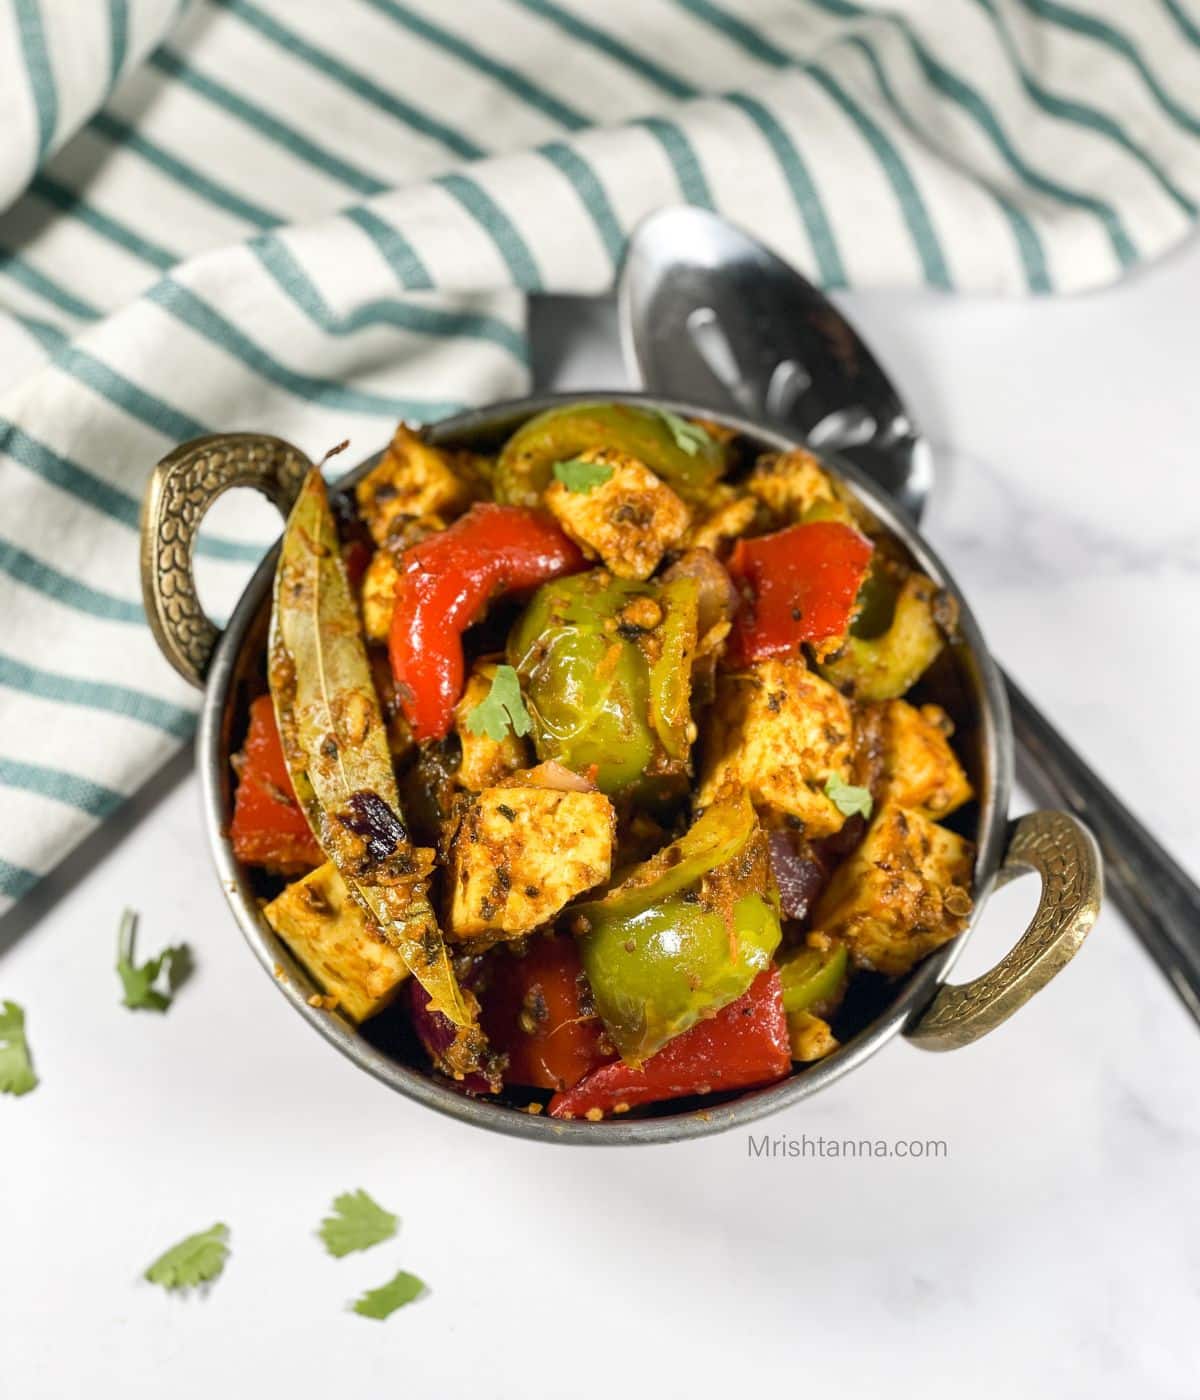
(138, 982)
(382, 1302)
(849, 800)
(582, 477)
(16, 1067)
(502, 709)
(196, 1260)
(689, 437)
(358, 1222)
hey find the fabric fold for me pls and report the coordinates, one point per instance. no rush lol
(60, 63)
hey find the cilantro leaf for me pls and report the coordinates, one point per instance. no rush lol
(582, 477)
(689, 437)
(193, 1261)
(849, 800)
(16, 1067)
(138, 982)
(358, 1223)
(502, 709)
(382, 1302)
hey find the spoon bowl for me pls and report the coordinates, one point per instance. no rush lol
(710, 315)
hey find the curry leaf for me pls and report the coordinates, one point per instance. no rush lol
(503, 709)
(849, 800)
(336, 745)
(689, 437)
(382, 1302)
(358, 1222)
(193, 1261)
(16, 1068)
(582, 477)
(138, 980)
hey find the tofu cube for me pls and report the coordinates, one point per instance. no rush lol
(724, 517)
(521, 853)
(377, 595)
(901, 894)
(337, 943)
(789, 483)
(414, 478)
(780, 733)
(485, 761)
(629, 521)
(811, 1037)
(911, 758)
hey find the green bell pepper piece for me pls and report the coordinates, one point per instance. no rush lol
(605, 667)
(813, 978)
(687, 461)
(884, 667)
(710, 842)
(684, 934)
(876, 603)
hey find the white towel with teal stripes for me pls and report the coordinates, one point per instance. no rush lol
(313, 218)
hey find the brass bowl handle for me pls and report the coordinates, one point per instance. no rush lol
(1064, 853)
(181, 489)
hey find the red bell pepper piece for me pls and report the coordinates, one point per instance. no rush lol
(743, 1045)
(798, 585)
(269, 828)
(446, 582)
(535, 1011)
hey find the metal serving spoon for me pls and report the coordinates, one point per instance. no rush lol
(709, 315)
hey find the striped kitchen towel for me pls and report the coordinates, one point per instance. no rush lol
(312, 218)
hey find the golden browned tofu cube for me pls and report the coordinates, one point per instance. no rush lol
(902, 893)
(917, 767)
(337, 943)
(788, 483)
(629, 520)
(377, 591)
(780, 733)
(485, 761)
(521, 853)
(377, 595)
(811, 1037)
(724, 517)
(414, 478)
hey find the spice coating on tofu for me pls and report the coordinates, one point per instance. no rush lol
(521, 853)
(903, 755)
(337, 943)
(725, 516)
(485, 760)
(811, 1037)
(901, 894)
(780, 733)
(629, 520)
(414, 478)
(377, 595)
(789, 484)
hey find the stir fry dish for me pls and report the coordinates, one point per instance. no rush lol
(586, 767)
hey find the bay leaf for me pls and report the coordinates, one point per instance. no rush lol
(335, 742)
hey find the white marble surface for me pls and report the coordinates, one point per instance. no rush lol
(1055, 1252)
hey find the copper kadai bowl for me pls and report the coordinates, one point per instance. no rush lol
(931, 1012)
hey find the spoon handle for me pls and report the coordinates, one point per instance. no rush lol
(1157, 897)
